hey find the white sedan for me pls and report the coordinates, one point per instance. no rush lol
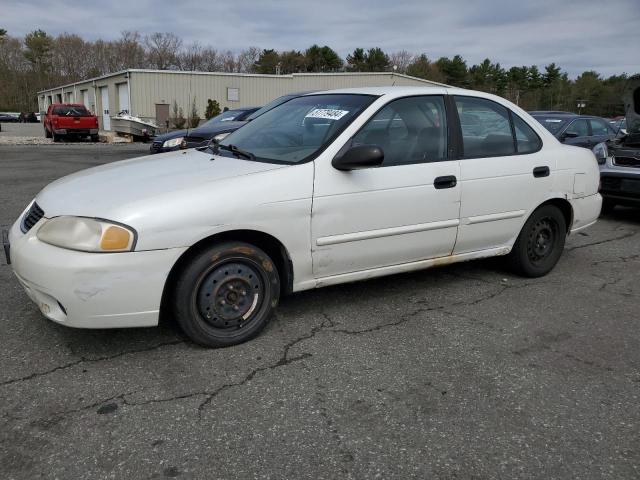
(327, 188)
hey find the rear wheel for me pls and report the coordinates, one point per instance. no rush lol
(47, 133)
(95, 138)
(56, 137)
(226, 294)
(540, 243)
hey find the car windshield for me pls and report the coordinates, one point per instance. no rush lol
(71, 111)
(551, 123)
(270, 106)
(296, 130)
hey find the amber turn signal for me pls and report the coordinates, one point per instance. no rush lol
(115, 238)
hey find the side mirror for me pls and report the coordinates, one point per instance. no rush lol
(361, 156)
(570, 134)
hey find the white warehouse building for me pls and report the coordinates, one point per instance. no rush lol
(150, 94)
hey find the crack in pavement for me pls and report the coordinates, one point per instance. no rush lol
(282, 361)
(327, 325)
(87, 360)
(622, 259)
(600, 242)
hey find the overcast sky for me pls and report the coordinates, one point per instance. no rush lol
(579, 35)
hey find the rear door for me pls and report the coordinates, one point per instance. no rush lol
(504, 174)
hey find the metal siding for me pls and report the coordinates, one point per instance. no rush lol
(151, 87)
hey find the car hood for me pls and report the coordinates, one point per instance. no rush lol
(631, 97)
(208, 131)
(119, 191)
(168, 136)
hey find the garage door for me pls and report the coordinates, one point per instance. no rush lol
(123, 98)
(106, 120)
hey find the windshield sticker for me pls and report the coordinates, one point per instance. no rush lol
(327, 113)
(552, 120)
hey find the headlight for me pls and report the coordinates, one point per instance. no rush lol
(601, 152)
(174, 142)
(219, 137)
(87, 235)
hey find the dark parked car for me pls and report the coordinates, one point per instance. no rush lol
(173, 140)
(579, 130)
(28, 117)
(201, 136)
(8, 118)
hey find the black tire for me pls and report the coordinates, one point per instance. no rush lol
(47, 133)
(56, 138)
(607, 206)
(95, 138)
(226, 294)
(540, 243)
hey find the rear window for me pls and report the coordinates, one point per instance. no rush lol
(71, 111)
(553, 124)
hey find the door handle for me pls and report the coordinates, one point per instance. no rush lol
(541, 172)
(448, 181)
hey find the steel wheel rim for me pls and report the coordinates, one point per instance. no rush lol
(229, 295)
(542, 240)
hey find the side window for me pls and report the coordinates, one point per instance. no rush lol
(486, 129)
(409, 130)
(527, 140)
(579, 127)
(598, 127)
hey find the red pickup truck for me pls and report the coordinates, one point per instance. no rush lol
(70, 119)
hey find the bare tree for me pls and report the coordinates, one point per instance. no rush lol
(191, 57)
(210, 60)
(402, 60)
(162, 50)
(70, 57)
(227, 61)
(128, 51)
(247, 59)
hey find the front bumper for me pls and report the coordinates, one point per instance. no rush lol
(621, 187)
(158, 148)
(91, 290)
(76, 131)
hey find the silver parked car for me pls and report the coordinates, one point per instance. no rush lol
(619, 158)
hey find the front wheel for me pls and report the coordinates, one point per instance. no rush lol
(56, 137)
(540, 243)
(225, 295)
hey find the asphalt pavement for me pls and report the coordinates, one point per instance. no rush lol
(465, 372)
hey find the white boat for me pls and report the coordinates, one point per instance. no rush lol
(136, 126)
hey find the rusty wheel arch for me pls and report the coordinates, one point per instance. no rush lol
(268, 243)
(564, 206)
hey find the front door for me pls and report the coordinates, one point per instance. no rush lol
(162, 114)
(404, 211)
(503, 175)
(106, 119)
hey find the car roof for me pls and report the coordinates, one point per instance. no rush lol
(387, 90)
(551, 112)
